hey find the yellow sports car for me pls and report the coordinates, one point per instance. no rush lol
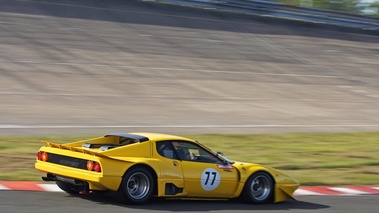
(138, 166)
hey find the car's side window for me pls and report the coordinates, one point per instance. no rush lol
(165, 149)
(188, 151)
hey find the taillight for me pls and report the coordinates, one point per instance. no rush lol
(93, 166)
(39, 156)
(43, 156)
(97, 167)
(90, 165)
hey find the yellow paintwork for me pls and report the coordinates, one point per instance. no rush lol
(183, 174)
(284, 184)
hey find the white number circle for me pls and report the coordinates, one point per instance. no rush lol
(210, 179)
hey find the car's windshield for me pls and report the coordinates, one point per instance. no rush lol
(220, 155)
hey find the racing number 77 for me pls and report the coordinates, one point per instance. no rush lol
(214, 174)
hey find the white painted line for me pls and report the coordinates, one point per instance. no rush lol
(72, 28)
(50, 187)
(332, 51)
(3, 187)
(345, 87)
(349, 191)
(170, 69)
(37, 93)
(180, 126)
(359, 91)
(215, 41)
(300, 192)
(145, 35)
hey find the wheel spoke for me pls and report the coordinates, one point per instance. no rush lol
(261, 187)
(138, 186)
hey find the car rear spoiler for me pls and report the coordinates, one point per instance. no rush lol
(71, 148)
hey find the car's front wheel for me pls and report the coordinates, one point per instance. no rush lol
(137, 186)
(259, 188)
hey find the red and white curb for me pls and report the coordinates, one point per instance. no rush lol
(306, 190)
(29, 186)
(324, 190)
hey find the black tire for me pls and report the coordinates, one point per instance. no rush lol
(67, 187)
(258, 189)
(137, 186)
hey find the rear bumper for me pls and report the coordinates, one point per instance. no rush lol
(95, 180)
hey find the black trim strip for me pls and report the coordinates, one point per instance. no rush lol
(139, 138)
(67, 161)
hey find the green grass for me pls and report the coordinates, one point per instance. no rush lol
(313, 159)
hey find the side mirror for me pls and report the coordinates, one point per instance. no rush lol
(224, 162)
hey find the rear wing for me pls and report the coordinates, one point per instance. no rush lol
(106, 146)
(71, 148)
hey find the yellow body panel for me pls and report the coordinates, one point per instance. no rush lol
(284, 184)
(196, 179)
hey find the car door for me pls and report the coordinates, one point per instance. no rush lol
(205, 174)
(171, 171)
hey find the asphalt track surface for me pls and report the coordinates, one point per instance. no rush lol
(94, 67)
(53, 202)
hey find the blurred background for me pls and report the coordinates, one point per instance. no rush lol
(363, 7)
(90, 67)
(76, 68)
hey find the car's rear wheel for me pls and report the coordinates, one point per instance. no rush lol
(259, 188)
(67, 187)
(137, 186)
